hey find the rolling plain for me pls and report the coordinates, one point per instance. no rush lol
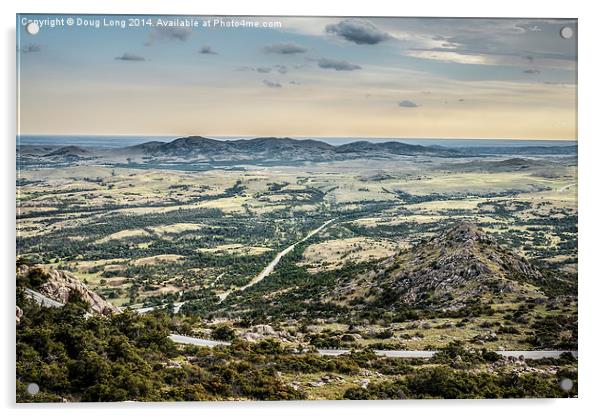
(463, 251)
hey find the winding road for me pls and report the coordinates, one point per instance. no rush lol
(421, 354)
(187, 340)
(270, 268)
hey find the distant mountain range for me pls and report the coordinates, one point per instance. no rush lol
(198, 149)
(277, 149)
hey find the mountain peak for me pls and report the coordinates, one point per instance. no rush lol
(459, 266)
(464, 234)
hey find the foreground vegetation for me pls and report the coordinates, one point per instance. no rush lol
(130, 357)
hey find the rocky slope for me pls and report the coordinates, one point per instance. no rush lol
(61, 285)
(459, 267)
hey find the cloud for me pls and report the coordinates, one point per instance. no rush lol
(159, 34)
(407, 104)
(293, 82)
(506, 42)
(206, 49)
(272, 84)
(130, 57)
(282, 69)
(532, 71)
(359, 31)
(336, 65)
(284, 49)
(451, 56)
(30, 47)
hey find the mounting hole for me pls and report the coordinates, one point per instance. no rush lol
(33, 388)
(32, 28)
(566, 32)
(566, 384)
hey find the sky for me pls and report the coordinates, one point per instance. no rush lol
(297, 77)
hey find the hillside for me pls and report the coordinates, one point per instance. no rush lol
(200, 148)
(275, 149)
(61, 287)
(70, 152)
(452, 270)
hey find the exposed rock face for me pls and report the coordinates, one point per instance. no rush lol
(61, 285)
(264, 331)
(460, 265)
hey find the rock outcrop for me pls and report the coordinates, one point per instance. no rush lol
(264, 331)
(19, 314)
(61, 285)
(458, 267)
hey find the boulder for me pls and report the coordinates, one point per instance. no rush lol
(19, 314)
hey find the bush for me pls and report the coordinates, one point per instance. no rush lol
(223, 332)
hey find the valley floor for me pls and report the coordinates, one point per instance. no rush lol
(313, 257)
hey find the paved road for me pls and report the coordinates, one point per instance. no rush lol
(270, 268)
(176, 307)
(388, 353)
(527, 354)
(42, 299)
(195, 341)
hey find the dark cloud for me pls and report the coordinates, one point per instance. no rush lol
(461, 99)
(493, 41)
(359, 31)
(284, 49)
(293, 82)
(206, 49)
(337, 65)
(263, 70)
(407, 103)
(130, 57)
(272, 84)
(282, 69)
(30, 47)
(168, 34)
(532, 71)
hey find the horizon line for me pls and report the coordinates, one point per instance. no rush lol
(289, 137)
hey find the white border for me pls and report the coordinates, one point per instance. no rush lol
(590, 152)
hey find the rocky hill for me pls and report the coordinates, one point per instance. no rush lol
(60, 286)
(264, 149)
(70, 152)
(456, 268)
